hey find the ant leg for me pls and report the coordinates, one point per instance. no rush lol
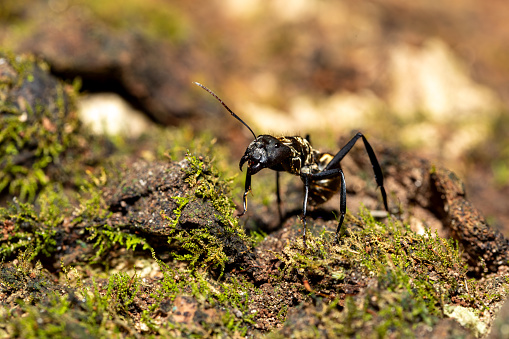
(247, 189)
(379, 178)
(342, 205)
(278, 196)
(304, 205)
(332, 173)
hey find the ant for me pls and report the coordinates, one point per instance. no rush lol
(320, 172)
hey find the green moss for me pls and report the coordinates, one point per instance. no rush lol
(39, 226)
(95, 212)
(232, 296)
(416, 275)
(33, 226)
(105, 237)
(390, 309)
(205, 244)
(35, 131)
(257, 237)
(42, 307)
(55, 318)
(433, 264)
(25, 280)
(121, 291)
(310, 260)
(215, 189)
(76, 311)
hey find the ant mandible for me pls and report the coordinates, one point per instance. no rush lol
(320, 172)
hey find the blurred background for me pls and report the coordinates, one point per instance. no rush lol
(423, 76)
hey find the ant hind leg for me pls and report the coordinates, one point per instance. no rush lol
(379, 178)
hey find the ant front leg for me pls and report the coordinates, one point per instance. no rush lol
(305, 178)
(247, 189)
(278, 197)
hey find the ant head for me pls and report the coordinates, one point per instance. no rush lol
(264, 152)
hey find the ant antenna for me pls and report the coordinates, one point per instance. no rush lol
(227, 108)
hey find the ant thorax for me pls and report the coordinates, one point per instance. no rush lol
(303, 155)
(305, 159)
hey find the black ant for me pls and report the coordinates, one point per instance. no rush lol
(320, 172)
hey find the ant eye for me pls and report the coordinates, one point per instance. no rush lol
(276, 145)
